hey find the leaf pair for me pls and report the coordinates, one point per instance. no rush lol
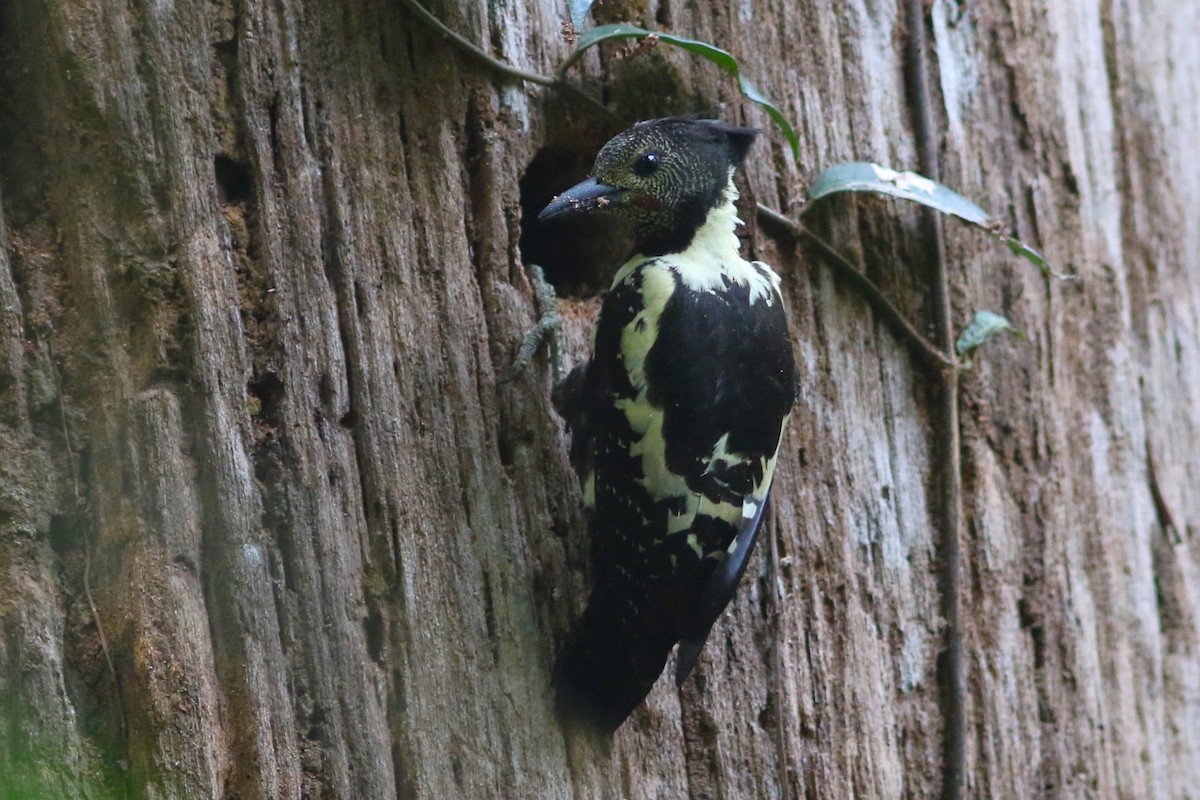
(863, 176)
(722, 58)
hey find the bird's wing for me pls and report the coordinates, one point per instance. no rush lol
(720, 587)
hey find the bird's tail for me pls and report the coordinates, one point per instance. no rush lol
(608, 666)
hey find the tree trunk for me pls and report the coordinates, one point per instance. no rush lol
(271, 527)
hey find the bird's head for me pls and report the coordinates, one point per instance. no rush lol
(662, 176)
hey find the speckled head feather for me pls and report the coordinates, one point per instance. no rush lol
(663, 176)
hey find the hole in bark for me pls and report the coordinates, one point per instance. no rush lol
(1038, 634)
(580, 255)
(767, 720)
(402, 130)
(63, 534)
(233, 179)
(187, 563)
(1069, 179)
(375, 635)
(268, 389)
(505, 446)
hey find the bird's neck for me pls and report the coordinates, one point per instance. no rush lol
(715, 242)
(711, 260)
(709, 217)
(698, 226)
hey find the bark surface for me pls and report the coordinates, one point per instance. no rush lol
(270, 526)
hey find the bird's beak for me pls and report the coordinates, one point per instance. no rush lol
(591, 195)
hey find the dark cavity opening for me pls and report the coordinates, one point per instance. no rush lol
(269, 391)
(233, 179)
(579, 256)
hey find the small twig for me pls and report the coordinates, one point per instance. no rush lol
(874, 296)
(91, 601)
(469, 47)
(87, 546)
(548, 327)
(474, 51)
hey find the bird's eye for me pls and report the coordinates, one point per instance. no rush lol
(647, 165)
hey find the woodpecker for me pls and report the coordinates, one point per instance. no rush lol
(676, 418)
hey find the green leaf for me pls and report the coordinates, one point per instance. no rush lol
(578, 10)
(864, 176)
(722, 58)
(984, 325)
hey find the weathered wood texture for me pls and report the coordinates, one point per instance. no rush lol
(260, 273)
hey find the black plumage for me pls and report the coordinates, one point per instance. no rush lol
(677, 416)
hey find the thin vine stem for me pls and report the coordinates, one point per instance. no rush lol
(951, 668)
(480, 55)
(925, 349)
(73, 464)
(467, 46)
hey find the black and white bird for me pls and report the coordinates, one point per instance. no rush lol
(676, 418)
